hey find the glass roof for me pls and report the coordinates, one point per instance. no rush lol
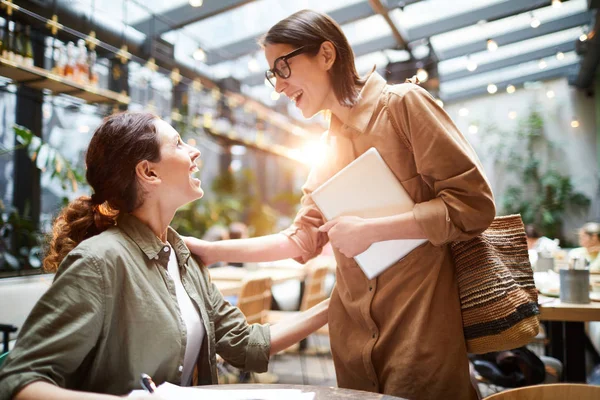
(244, 23)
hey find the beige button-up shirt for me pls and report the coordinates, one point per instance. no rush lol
(401, 333)
(112, 313)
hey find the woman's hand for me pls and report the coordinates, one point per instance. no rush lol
(350, 235)
(201, 248)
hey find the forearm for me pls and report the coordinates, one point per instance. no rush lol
(44, 390)
(293, 329)
(260, 249)
(402, 226)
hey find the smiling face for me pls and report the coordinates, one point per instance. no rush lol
(309, 84)
(177, 167)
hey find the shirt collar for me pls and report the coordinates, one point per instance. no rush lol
(361, 113)
(150, 244)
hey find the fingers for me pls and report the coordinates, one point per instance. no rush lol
(328, 225)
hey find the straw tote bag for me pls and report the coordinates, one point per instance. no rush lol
(497, 293)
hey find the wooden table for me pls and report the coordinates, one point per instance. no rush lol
(566, 331)
(321, 392)
(236, 274)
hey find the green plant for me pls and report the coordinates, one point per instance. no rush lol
(20, 238)
(542, 195)
(233, 197)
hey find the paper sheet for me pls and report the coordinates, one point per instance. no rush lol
(169, 391)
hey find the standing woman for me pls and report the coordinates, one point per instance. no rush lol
(401, 333)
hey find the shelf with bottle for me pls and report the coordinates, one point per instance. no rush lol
(74, 77)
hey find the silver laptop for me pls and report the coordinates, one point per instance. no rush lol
(367, 188)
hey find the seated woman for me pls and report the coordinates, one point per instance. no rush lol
(589, 240)
(127, 297)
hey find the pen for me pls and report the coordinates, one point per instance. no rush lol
(147, 383)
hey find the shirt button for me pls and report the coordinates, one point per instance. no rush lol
(370, 288)
(166, 248)
(180, 368)
(448, 219)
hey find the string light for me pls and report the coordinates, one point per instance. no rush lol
(575, 123)
(550, 94)
(471, 65)
(492, 88)
(492, 45)
(422, 75)
(542, 64)
(583, 37)
(510, 89)
(199, 55)
(560, 55)
(535, 23)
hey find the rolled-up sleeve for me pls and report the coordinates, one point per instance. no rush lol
(463, 206)
(242, 345)
(304, 231)
(61, 330)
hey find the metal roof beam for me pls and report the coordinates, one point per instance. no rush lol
(507, 62)
(519, 81)
(471, 17)
(184, 15)
(557, 25)
(342, 16)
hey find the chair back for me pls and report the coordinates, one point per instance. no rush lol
(314, 287)
(559, 391)
(255, 299)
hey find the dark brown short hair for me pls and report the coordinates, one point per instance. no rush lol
(310, 28)
(118, 145)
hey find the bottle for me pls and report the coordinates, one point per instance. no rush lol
(81, 66)
(92, 74)
(18, 44)
(3, 38)
(69, 71)
(7, 52)
(27, 48)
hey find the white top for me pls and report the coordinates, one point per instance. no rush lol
(192, 320)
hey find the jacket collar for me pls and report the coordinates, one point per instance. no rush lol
(361, 113)
(150, 244)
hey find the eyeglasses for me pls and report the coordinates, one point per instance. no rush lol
(281, 68)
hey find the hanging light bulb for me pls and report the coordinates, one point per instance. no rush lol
(199, 55)
(512, 114)
(510, 89)
(196, 3)
(492, 45)
(492, 88)
(556, 3)
(542, 64)
(560, 55)
(471, 64)
(463, 112)
(550, 94)
(422, 75)
(583, 37)
(253, 65)
(534, 22)
(575, 123)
